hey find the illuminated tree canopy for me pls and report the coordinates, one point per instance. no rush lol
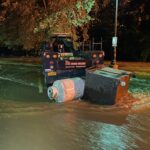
(28, 22)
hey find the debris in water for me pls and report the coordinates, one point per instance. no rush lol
(107, 85)
(66, 89)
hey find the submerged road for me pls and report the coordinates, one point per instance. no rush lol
(28, 121)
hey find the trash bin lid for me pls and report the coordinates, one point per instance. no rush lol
(111, 72)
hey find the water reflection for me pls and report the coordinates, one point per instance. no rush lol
(29, 121)
(140, 89)
(114, 137)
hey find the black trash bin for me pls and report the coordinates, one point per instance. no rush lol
(106, 86)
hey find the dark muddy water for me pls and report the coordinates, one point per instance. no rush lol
(28, 121)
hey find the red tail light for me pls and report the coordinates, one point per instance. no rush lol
(55, 56)
(94, 55)
(47, 56)
(100, 55)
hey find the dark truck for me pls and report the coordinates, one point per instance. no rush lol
(60, 60)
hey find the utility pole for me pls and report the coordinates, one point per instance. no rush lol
(114, 39)
(44, 3)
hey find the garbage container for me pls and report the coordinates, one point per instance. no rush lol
(106, 86)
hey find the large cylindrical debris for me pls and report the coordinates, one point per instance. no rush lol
(66, 89)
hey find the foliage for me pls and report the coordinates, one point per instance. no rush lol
(67, 19)
(134, 32)
(133, 28)
(17, 27)
(28, 22)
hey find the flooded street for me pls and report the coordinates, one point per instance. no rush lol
(28, 121)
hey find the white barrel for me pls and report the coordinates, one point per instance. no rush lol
(66, 89)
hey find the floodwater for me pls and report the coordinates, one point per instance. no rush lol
(28, 121)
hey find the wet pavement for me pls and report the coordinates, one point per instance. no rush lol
(28, 121)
